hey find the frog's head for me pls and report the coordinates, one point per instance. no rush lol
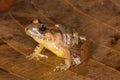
(42, 32)
(36, 30)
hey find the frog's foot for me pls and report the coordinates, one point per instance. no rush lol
(36, 56)
(75, 59)
(61, 67)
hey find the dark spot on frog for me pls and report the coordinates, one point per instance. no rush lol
(115, 39)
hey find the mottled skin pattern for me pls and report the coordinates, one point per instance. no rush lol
(56, 39)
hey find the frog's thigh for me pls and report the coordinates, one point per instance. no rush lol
(67, 58)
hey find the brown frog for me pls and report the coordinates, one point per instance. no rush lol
(59, 40)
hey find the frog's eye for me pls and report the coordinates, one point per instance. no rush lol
(42, 29)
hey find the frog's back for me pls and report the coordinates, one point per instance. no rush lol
(70, 36)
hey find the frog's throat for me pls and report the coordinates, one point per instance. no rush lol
(50, 45)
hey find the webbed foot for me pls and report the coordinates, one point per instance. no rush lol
(75, 59)
(36, 56)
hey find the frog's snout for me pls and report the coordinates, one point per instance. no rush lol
(31, 31)
(26, 29)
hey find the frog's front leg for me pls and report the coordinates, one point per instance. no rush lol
(36, 53)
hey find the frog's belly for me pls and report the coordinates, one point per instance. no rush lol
(50, 46)
(57, 52)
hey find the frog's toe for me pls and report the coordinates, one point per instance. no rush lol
(61, 68)
(32, 56)
(36, 56)
(44, 56)
(29, 57)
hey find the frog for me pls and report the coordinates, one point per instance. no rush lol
(57, 39)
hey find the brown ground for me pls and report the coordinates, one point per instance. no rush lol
(99, 20)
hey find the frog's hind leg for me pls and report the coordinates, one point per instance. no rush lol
(67, 60)
(36, 53)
